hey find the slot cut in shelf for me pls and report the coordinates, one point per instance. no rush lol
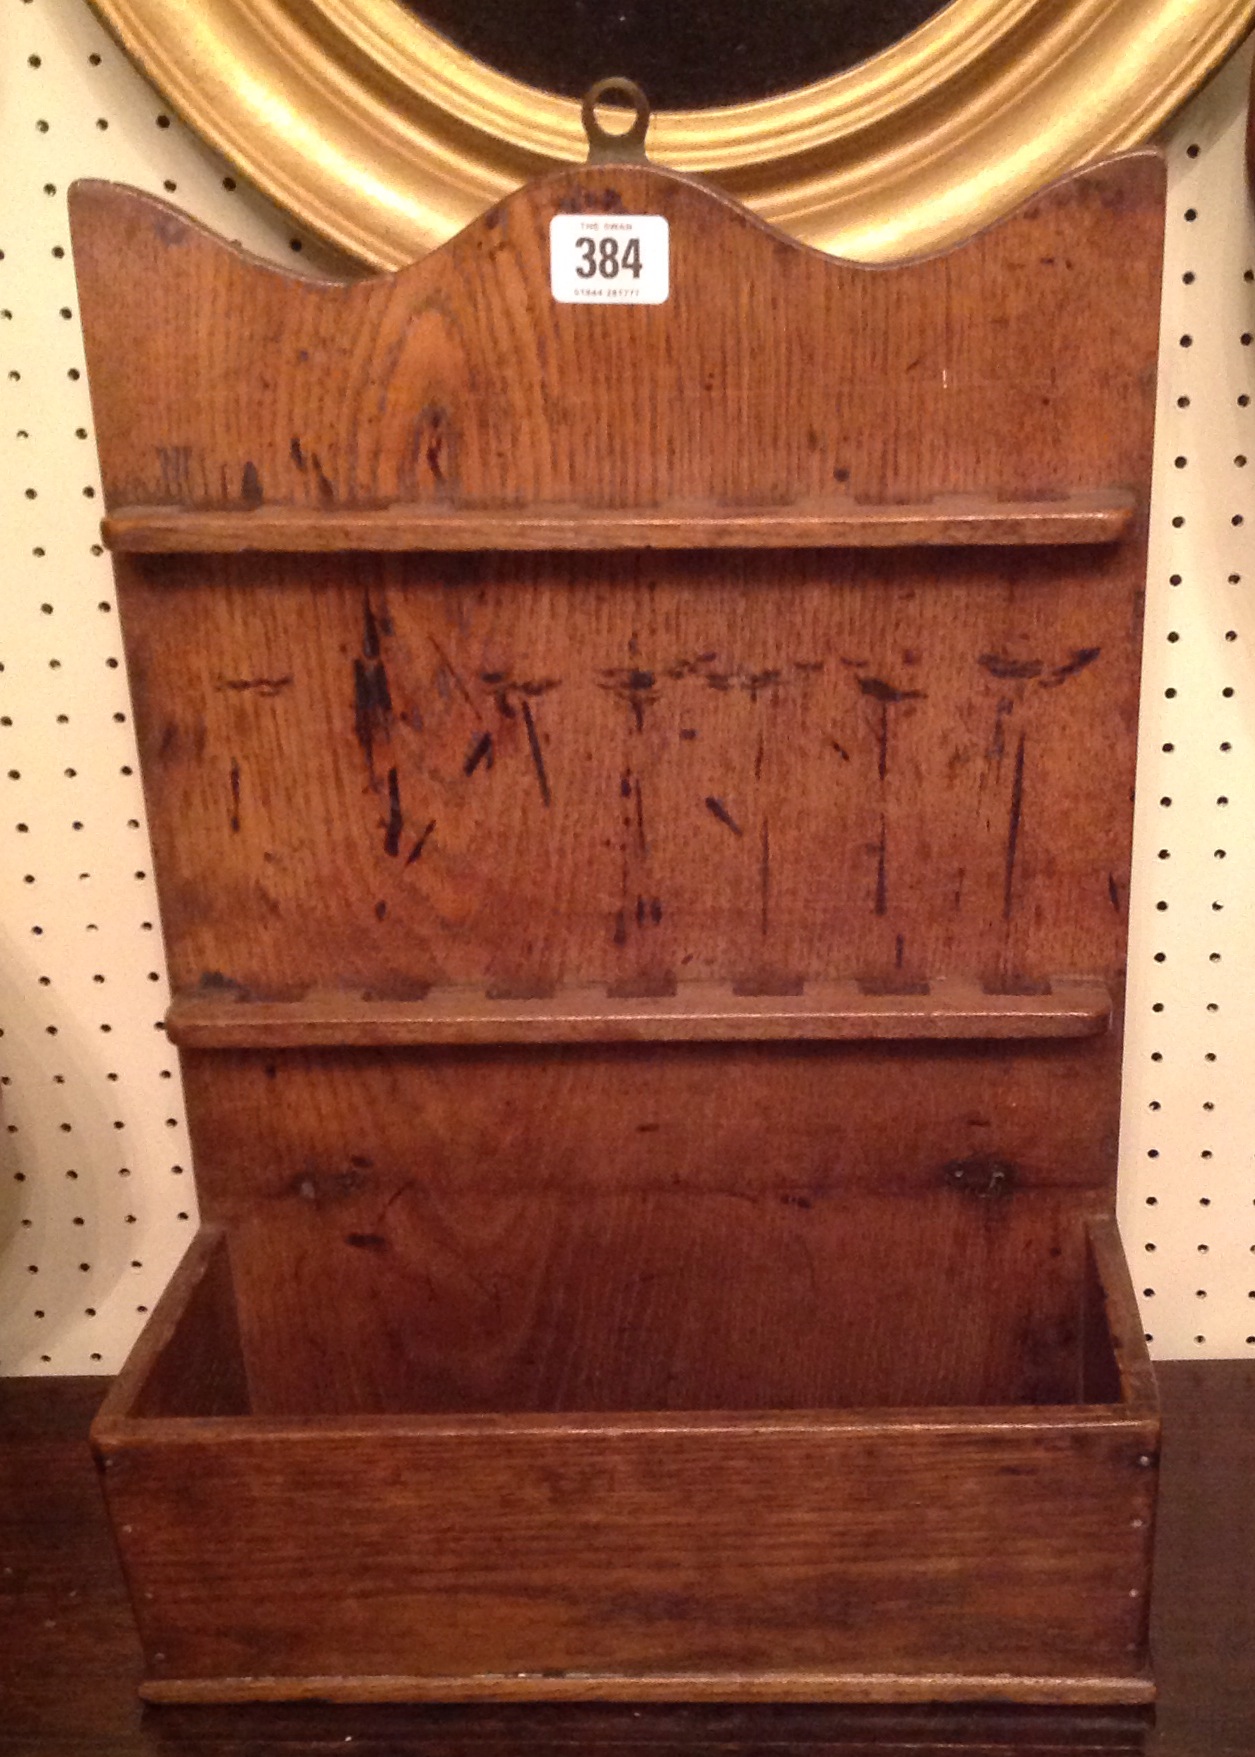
(1097, 516)
(951, 1007)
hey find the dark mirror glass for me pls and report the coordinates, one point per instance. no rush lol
(686, 56)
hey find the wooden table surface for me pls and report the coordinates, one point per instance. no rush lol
(69, 1657)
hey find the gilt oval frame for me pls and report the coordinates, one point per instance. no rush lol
(378, 133)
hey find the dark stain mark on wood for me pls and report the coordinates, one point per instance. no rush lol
(1013, 829)
(435, 445)
(642, 841)
(688, 732)
(452, 671)
(886, 694)
(648, 911)
(371, 629)
(764, 879)
(480, 752)
(372, 708)
(415, 852)
(215, 982)
(396, 818)
(381, 909)
(1113, 890)
(648, 1128)
(498, 682)
(235, 797)
(636, 688)
(326, 493)
(840, 749)
(882, 742)
(881, 691)
(998, 744)
(296, 454)
(507, 690)
(366, 1241)
(1081, 658)
(250, 485)
(266, 686)
(620, 927)
(758, 759)
(538, 758)
(718, 809)
(754, 683)
(1000, 665)
(430, 452)
(882, 870)
(899, 951)
(757, 681)
(697, 666)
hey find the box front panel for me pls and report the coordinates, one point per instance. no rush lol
(458, 1558)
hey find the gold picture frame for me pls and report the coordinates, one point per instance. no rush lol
(381, 135)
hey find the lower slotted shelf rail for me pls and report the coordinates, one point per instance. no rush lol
(950, 1007)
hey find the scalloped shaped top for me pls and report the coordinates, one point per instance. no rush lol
(1018, 365)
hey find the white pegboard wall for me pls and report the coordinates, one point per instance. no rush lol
(96, 1199)
(96, 1194)
(1187, 1196)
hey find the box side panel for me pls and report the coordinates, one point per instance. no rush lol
(188, 1359)
(1116, 1363)
(453, 1559)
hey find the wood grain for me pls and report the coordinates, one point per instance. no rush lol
(1071, 518)
(512, 773)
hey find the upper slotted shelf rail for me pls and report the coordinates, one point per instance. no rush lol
(1097, 516)
(697, 1012)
